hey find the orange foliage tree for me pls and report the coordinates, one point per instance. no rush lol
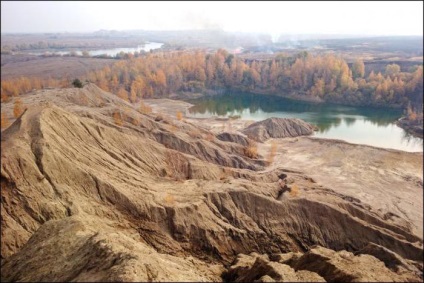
(18, 108)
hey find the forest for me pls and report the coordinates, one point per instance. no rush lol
(321, 77)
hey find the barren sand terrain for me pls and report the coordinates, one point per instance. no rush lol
(94, 190)
(389, 181)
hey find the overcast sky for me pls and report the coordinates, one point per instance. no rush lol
(365, 18)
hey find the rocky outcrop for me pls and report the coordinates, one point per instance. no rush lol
(278, 128)
(317, 265)
(395, 262)
(343, 266)
(258, 268)
(84, 199)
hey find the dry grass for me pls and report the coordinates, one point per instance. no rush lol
(144, 108)
(4, 121)
(18, 108)
(294, 191)
(272, 152)
(169, 199)
(251, 150)
(178, 167)
(136, 121)
(179, 115)
(117, 118)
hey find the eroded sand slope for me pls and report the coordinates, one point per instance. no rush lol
(158, 199)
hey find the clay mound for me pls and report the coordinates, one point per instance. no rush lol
(233, 137)
(85, 199)
(278, 128)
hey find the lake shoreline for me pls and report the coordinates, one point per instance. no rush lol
(218, 124)
(295, 96)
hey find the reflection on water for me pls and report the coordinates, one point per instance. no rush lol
(363, 125)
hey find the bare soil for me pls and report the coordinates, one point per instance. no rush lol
(14, 66)
(389, 181)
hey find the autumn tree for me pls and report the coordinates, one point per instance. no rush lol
(179, 115)
(358, 69)
(123, 94)
(18, 108)
(392, 69)
(117, 118)
(4, 121)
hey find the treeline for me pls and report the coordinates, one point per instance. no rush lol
(327, 77)
(15, 87)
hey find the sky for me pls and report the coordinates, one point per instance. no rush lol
(273, 17)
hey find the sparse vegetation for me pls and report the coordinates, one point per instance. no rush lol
(178, 167)
(272, 152)
(117, 118)
(169, 199)
(18, 108)
(135, 121)
(179, 115)
(144, 108)
(251, 150)
(4, 121)
(294, 190)
(77, 83)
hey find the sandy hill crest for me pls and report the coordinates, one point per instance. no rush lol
(278, 128)
(84, 199)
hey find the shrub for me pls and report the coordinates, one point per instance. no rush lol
(169, 199)
(4, 121)
(179, 115)
(136, 121)
(178, 166)
(77, 83)
(272, 152)
(251, 150)
(294, 190)
(18, 108)
(117, 118)
(144, 108)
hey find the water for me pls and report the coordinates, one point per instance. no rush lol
(111, 52)
(360, 125)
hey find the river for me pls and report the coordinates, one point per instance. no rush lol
(111, 51)
(360, 125)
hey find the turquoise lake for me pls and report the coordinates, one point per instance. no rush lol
(360, 125)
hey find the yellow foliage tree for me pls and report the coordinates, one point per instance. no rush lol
(179, 115)
(144, 108)
(4, 121)
(251, 150)
(117, 118)
(18, 108)
(272, 152)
